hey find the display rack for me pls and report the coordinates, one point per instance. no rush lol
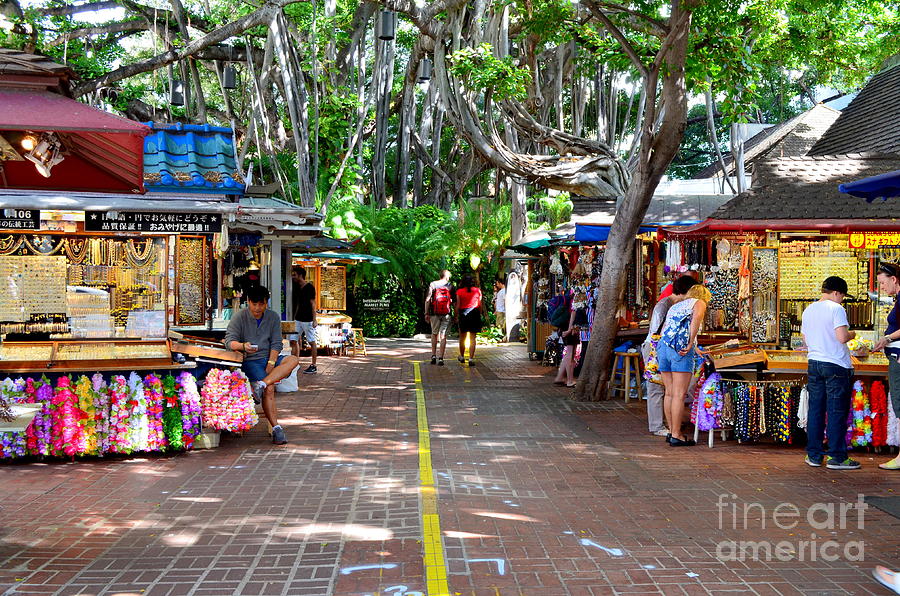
(764, 308)
(99, 355)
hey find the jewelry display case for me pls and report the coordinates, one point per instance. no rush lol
(101, 355)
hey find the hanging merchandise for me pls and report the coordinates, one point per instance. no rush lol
(710, 404)
(803, 409)
(878, 403)
(555, 265)
(779, 412)
(893, 429)
(227, 402)
(860, 434)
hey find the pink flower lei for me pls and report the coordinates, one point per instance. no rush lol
(120, 435)
(38, 432)
(67, 436)
(156, 439)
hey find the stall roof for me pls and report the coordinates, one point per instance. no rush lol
(806, 188)
(103, 152)
(600, 233)
(342, 256)
(191, 158)
(882, 186)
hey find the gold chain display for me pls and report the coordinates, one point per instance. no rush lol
(113, 283)
(190, 286)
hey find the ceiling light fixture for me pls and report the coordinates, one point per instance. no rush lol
(28, 142)
(46, 154)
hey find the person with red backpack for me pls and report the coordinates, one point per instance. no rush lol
(438, 302)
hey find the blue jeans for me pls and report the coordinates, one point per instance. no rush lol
(671, 361)
(256, 369)
(829, 403)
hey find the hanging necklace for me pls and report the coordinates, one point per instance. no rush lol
(76, 250)
(43, 245)
(10, 244)
(139, 258)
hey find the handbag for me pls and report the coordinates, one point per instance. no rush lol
(651, 362)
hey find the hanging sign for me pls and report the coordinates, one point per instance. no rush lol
(873, 239)
(145, 221)
(20, 219)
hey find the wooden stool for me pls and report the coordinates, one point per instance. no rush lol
(359, 341)
(626, 367)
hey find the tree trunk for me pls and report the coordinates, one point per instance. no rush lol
(385, 77)
(659, 144)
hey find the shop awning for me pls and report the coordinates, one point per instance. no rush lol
(597, 233)
(103, 152)
(882, 186)
(342, 256)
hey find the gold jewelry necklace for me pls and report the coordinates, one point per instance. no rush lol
(10, 244)
(76, 250)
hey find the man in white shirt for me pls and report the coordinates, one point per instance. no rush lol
(500, 306)
(826, 333)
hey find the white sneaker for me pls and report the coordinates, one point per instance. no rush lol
(661, 432)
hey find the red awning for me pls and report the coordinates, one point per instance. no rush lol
(104, 152)
(833, 226)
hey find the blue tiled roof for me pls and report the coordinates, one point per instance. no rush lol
(191, 158)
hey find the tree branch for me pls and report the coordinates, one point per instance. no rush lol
(140, 24)
(617, 34)
(261, 16)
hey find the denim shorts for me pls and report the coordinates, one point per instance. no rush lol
(671, 361)
(256, 369)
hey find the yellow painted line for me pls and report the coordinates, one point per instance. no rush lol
(434, 558)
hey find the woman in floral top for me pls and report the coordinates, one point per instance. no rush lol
(675, 352)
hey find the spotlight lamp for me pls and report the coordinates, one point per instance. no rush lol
(29, 141)
(46, 153)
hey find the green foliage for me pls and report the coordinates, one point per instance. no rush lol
(480, 69)
(491, 336)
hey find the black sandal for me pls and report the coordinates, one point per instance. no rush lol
(681, 443)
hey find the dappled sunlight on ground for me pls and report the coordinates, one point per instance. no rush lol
(503, 515)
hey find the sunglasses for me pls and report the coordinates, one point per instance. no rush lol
(891, 270)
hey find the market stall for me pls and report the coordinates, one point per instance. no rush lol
(327, 271)
(764, 266)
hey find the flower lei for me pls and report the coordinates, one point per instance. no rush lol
(227, 401)
(780, 413)
(38, 432)
(153, 391)
(172, 423)
(12, 444)
(893, 429)
(120, 435)
(101, 412)
(879, 404)
(861, 431)
(84, 390)
(137, 401)
(709, 403)
(190, 407)
(67, 436)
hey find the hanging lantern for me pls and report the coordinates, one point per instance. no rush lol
(176, 96)
(425, 70)
(387, 25)
(229, 77)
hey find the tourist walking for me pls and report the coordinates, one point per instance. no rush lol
(889, 284)
(500, 306)
(469, 310)
(256, 331)
(570, 335)
(830, 376)
(655, 391)
(438, 301)
(304, 294)
(676, 354)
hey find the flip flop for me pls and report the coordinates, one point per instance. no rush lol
(893, 464)
(887, 578)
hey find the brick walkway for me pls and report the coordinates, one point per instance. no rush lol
(537, 495)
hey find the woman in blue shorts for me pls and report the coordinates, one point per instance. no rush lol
(676, 353)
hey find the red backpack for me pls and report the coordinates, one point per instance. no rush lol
(440, 301)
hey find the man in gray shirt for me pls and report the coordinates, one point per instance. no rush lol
(256, 331)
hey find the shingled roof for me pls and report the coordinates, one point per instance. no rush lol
(24, 69)
(191, 158)
(871, 123)
(804, 188)
(791, 138)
